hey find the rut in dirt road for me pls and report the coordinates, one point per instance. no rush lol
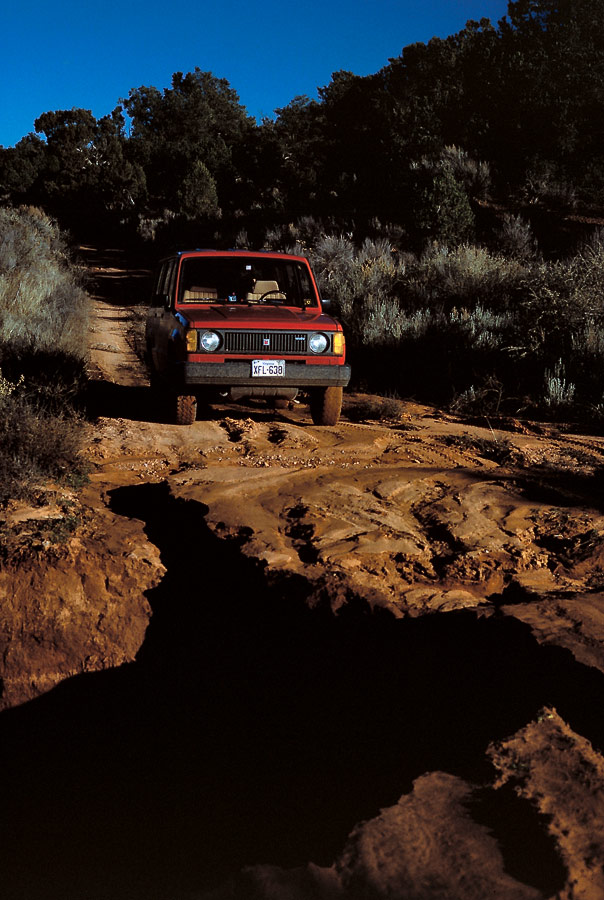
(254, 729)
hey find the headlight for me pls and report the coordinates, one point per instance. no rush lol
(210, 341)
(318, 343)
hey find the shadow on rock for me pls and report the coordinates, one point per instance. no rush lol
(253, 729)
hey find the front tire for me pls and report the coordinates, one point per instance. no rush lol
(326, 405)
(186, 409)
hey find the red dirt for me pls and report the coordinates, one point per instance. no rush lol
(452, 528)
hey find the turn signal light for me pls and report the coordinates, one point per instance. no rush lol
(191, 340)
(339, 343)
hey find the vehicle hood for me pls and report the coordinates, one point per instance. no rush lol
(253, 317)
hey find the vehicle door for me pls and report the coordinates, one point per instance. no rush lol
(160, 320)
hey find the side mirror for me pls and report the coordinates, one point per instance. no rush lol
(326, 304)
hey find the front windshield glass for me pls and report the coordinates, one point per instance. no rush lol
(246, 280)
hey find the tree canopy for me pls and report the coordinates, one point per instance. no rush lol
(523, 97)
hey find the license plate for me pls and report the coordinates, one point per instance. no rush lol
(268, 368)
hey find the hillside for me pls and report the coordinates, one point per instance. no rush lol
(272, 660)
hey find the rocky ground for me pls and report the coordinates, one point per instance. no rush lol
(253, 658)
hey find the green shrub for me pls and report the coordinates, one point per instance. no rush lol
(559, 392)
(474, 176)
(441, 209)
(364, 283)
(515, 238)
(481, 330)
(333, 259)
(465, 276)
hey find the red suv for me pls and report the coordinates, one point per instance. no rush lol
(244, 324)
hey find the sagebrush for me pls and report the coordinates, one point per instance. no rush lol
(471, 327)
(43, 339)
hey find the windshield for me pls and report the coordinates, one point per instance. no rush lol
(248, 280)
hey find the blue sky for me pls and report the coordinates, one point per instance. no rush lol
(64, 54)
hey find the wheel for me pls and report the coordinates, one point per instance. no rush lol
(326, 405)
(186, 409)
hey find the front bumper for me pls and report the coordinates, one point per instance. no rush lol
(238, 374)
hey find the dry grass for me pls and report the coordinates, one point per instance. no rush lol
(43, 325)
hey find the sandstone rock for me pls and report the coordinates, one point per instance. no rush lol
(75, 608)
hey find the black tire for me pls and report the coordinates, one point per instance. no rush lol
(186, 409)
(326, 405)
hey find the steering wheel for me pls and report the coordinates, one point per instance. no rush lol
(262, 297)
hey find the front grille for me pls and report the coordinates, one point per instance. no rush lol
(264, 342)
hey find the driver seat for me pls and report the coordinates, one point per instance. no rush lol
(265, 287)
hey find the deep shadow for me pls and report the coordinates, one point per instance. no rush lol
(118, 401)
(253, 729)
(125, 278)
(563, 487)
(521, 832)
(144, 404)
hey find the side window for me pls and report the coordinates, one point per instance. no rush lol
(164, 282)
(171, 280)
(160, 280)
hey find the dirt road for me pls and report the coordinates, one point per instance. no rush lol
(357, 661)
